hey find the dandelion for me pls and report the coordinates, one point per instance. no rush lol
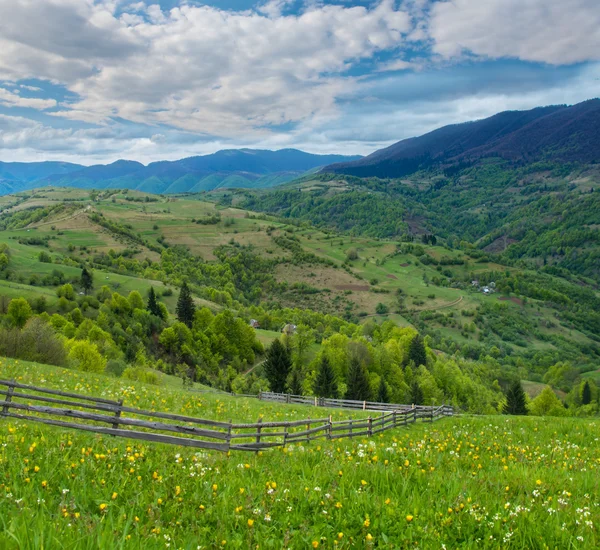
(315, 544)
(114, 496)
(250, 522)
(103, 507)
(369, 537)
(340, 536)
(367, 522)
(44, 484)
(215, 487)
(409, 518)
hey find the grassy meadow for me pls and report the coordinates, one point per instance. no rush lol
(468, 482)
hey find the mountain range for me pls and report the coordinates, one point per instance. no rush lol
(557, 133)
(228, 168)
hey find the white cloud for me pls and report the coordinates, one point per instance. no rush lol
(13, 99)
(549, 31)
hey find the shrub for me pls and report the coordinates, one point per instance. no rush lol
(140, 374)
(115, 367)
(84, 355)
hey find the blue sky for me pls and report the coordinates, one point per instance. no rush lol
(92, 81)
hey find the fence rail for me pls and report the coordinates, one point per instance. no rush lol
(104, 416)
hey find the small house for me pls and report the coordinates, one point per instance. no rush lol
(289, 329)
(254, 323)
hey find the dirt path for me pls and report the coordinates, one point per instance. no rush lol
(443, 306)
(251, 369)
(85, 210)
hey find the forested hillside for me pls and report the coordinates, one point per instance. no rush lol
(149, 287)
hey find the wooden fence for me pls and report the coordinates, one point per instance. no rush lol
(104, 416)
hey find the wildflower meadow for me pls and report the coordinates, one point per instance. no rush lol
(468, 482)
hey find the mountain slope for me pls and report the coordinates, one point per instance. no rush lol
(558, 133)
(228, 168)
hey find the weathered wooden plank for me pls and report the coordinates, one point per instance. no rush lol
(178, 417)
(281, 424)
(262, 434)
(45, 399)
(296, 435)
(81, 415)
(144, 436)
(57, 392)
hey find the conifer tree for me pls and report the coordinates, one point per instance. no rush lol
(516, 402)
(295, 382)
(383, 395)
(153, 306)
(87, 280)
(416, 393)
(277, 366)
(185, 306)
(358, 388)
(586, 394)
(325, 383)
(416, 351)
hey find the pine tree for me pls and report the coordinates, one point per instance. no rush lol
(516, 402)
(277, 366)
(87, 280)
(416, 351)
(383, 395)
(153, 306)
(185, 306)
(358, 388)
(416, 393)
(295, 382)
(586, 394)
(325, 383)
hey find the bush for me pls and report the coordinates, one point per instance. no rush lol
(84, 355)
(115, 368)
(140, 374)
(381, 309)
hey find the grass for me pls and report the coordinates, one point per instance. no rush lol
(486, 482)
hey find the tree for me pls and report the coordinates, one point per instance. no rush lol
(295, 382)
(586, 394)
(359, 388)
(153, 306)
(84, 356)
(87, 280)
(547, 404)
(185, 306)
(19, 311)
(516, 402)
(325, 384)
(416, 393)
(416, 351)
(383, 395)
(277, 366)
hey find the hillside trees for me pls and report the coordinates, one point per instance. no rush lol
(516, 401)
(152, 305)
(416, 351)
(185, 306)
(277, 366)
(19, 311)
(358, 387)
(86, 280)
(325, 384)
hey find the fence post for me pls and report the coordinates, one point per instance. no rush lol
(316, 401)
(394, 417)
(382, 419)
(260, 395)
(229, 433)
(329, 430)
(364, 405)
(287, 397)
(350, 434)
(8, 399)
(117, 416)
(258, 430)
(370, 428)
(308, 428)
(285, 435)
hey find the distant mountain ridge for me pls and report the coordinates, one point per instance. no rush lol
(252, 168)
(558, 133)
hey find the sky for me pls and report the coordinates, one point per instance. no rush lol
(93, 81)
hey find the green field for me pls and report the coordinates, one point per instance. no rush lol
(468, 482)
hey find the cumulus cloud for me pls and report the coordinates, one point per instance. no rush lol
(195, 78)
(548, 31)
